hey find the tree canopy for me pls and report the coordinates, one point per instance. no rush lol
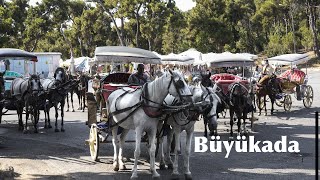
(271, 27)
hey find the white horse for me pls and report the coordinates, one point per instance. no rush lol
(208, 101)
(139, 110)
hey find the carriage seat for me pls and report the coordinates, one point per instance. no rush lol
(224, 76)
(298, 76)
(224, 80)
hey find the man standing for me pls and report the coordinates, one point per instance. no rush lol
(267, 68)
(138, 78)
(267, 71)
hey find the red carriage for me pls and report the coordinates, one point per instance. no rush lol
(236, 61)
(293, 81)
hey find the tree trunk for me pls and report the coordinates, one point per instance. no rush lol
(138, 30)
(313, 27)
(81, 46)
(293, 32)
(149, 43)
(119, 32)
(138, 24)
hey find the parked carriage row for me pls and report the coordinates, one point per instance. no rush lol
(226, 87)
(31, 94)
(133, 107)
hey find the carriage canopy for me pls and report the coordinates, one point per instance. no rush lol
(125, 54)
(21, 61)
(178, 59)
(289, 59)
(17, 53)
(227, 59)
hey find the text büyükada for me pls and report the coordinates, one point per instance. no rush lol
(215, 145)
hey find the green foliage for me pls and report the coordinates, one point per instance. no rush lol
(271, 26)
(306, 40)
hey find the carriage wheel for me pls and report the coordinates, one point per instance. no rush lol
(94, 142)
(280, 102)
(287, 102)
(308, 97)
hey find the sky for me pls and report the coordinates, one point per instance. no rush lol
(183, 5)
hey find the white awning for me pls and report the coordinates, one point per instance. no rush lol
(178, 59)
(123, 54)
(196, 55)
(288, 59)
(227, 59)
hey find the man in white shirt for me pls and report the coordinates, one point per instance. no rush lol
(268, 69)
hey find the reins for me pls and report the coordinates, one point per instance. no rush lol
(143, 103)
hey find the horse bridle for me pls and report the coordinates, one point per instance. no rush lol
(30, 86)
(208, 108)
(178, 85)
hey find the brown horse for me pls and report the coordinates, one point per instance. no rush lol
(267, 86)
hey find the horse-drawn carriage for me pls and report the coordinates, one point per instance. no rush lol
(110, 83)
(20, 87)
(148, 108)
(224, 81)
(293, 81)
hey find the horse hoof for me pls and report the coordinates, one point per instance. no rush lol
(188, 176)
(123, 167)
(116, 169)
(162, 167)
(73, 111)
(25, 131)
(175, 176)
(56, 130)
(134, 177)
(156, 176)
(49, 126)
(20, 128)
(170, 166)
(67, 110)
(62, 130)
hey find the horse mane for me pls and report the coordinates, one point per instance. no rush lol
(34, 76)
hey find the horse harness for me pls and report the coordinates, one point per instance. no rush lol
(28, 88)
(233, 89)
(144, 103)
